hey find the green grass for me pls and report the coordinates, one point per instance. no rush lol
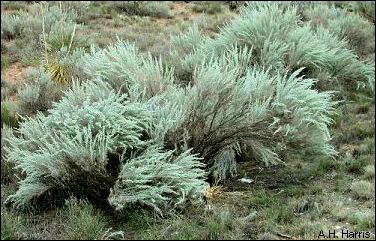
(4, 62)
(8, 115)
(363, 189)
(12, 226)
(363, 220)
(83, 221)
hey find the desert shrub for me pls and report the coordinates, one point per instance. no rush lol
(365, 8)
(123, 67)
(363, 219)
(81, 147)
(280, 41)
(44, 28)
(357, 32)
(8, 114)
(228, 108)
(76, 144)
(29, 23)
(225, 114)
(11, 26)
(80, 8)
(39, 92)
(363, 189)
(157, 178)
(144, 8)
(208, 7)
(129, 135)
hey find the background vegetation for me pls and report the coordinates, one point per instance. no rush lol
(138, 120)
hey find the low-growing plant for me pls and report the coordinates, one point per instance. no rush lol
(144, 8)
(12, 226)
(9, 114)
(4, 62)
(369, 171)
(7, 172)
(357, 32)
(39, 92)
(363, 189)
(208, 7)
(14, 5)
(11, 26)
(82, 221)
(363, 219)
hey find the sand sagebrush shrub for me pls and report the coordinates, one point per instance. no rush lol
(129, 135)
(264, 114)
(157, 178)
(281, 41)
(11, 26)
(144, 8)
(39, 92)
(58, 150)
(125, 69)
(81, 147)
(29, 23)
(227, 105)
(358, 33)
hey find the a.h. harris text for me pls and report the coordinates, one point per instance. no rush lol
(344, 233)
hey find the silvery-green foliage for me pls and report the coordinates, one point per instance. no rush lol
(74, 139)
(38, 93)
(79, 8)
(344, 64)
(280, 41)
(168, 110)
(158, 179)
(187, 41)
(125, 69)
(52, 15)
(11, 26)
(225, 106)
(225, 163)
(29, 23)
(358, 33)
